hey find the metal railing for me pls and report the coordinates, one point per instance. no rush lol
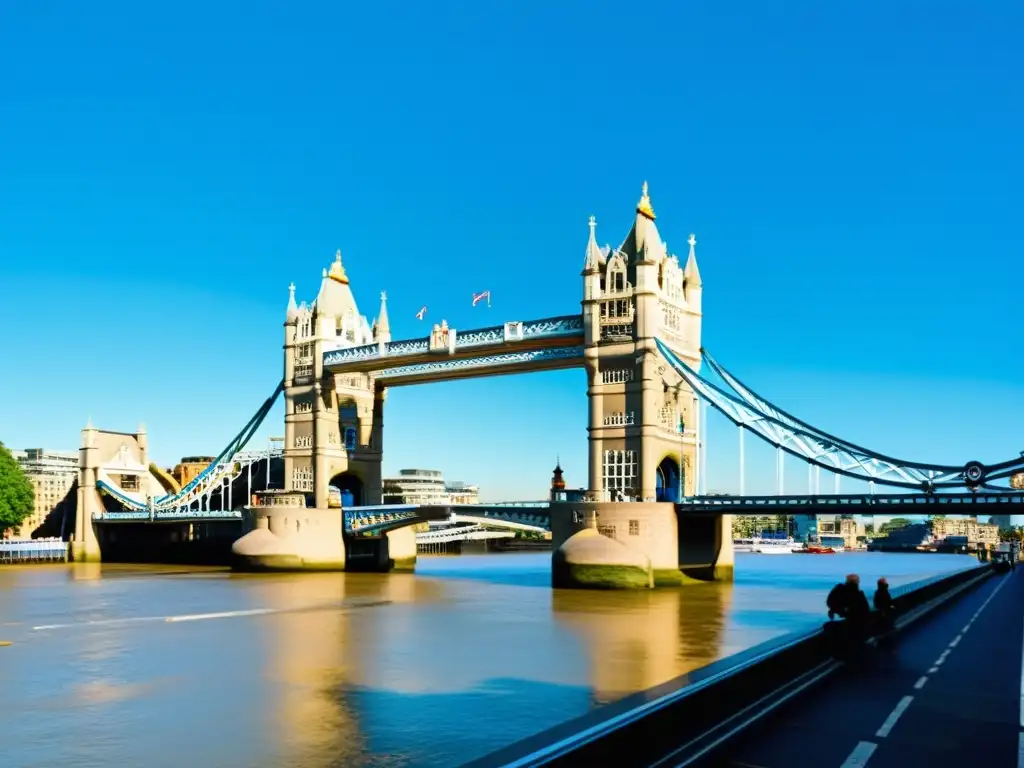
(52, 550)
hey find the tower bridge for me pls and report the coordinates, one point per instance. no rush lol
(649, 382)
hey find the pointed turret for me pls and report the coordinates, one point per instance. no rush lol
(335, 297)
(292, 313)
(381, 326)
(643, 243)
(691, 273)
(691, 279)
(595, 257)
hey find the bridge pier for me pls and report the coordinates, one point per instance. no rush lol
(636, 545)
(283, 534)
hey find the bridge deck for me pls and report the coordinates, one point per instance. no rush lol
(965, 712)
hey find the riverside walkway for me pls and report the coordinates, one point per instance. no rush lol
(949, 694)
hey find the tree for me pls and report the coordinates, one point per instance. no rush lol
(17, 499)
(893, 525)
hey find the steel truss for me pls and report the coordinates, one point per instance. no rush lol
(748, 410)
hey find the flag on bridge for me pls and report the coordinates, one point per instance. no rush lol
(421, 313)
(478, 297)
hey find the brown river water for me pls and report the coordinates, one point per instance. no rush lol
(159, 666)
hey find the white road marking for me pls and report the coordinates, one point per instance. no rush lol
(942, 658)
(967, 626)
(890, 721)
(920, 682)
(956, 641)
(1020, 750)
(933, 670)
(860, 755)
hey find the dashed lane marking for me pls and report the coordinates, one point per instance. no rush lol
(955, 641)
(890, 721)
(860, 755)
(920, 682)
(933, 670)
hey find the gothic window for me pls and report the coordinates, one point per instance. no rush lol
(348, 410)
(303, 441)
(616, 376)
(634, 527)
(620, 472)
(350, 439)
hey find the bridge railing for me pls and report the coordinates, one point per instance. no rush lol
(686, 720)
(877, 503)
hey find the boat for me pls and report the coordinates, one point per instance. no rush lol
(818, 549)
(775, 546)
(742, 545)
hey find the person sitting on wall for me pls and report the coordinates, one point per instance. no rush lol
(885, 607)
(848, 602)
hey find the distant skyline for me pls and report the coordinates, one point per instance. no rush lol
(851, 173)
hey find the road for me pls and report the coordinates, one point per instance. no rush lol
(948, 695)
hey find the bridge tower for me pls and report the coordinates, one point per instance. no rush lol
(642, 430)
(334, 426)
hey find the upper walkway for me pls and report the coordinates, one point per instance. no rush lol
(948, 695)
(861, 504)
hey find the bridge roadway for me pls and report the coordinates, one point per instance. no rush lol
(948, 695)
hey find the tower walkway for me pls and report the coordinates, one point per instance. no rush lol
(949, 694)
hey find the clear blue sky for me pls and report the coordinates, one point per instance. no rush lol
(851, 170)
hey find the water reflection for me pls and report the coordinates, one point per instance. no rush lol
(320, 670)
(636, 640)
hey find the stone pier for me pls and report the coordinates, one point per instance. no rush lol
(636, 545)
(283, 534)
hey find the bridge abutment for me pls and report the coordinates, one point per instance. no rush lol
(283, 534)
(636, 545)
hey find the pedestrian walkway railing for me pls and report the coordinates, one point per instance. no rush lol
(33, 551)
(685, 721)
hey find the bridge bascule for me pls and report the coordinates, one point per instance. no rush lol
(637, 340)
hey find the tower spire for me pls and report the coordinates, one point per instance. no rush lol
(594, 257)
(691, 273)
(337, 270)
(383, 326)
(644, 207)
(292, 310)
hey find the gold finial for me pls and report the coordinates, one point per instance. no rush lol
(644, 206)
(337, 270)
(593, 222)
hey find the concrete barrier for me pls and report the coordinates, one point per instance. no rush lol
(687, 720)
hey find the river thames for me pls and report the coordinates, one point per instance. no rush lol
(158, 666)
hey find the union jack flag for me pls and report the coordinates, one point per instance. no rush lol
(478, 297)
(421, 313)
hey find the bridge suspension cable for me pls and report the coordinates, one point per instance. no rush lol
(798, 438)
(213, 475)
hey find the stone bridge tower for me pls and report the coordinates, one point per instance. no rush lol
(334, 425)
(642, 427)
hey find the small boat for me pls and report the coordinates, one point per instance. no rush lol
(775, 546)
(742, 545)
(817, 549)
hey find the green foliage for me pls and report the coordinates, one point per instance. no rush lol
(17, 499)
(1011, 534)
(748, 526)
(893, 525)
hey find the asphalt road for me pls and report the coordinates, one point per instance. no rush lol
(949, 694)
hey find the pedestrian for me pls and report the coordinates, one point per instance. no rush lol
(886, 609)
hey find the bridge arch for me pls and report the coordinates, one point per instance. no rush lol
(351, 488)
(668, 479)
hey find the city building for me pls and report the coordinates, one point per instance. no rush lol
(427, 486)
(52, 473)
(186, 470)
(462, 493)
(558, 490)
(965, 527)
(848, 529)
